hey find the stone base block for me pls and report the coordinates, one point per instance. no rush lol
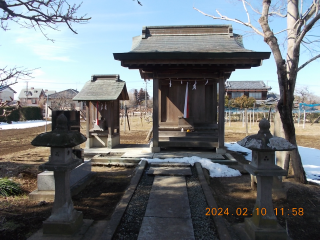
(113, 141)
(63, 228)
(221, 150)
(155, 149)
(264, 233)
(45, 180)
(79, 235)
(103, 141)
(79, 176)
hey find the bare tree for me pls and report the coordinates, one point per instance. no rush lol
(36, 14)
(62, 102)
(303, 94)
(300, 23)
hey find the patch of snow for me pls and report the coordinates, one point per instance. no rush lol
(215, 169)
(310, 158)
(23, 124)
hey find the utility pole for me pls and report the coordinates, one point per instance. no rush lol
(27, 93)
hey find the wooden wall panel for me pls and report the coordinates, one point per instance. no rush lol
(209, 104)
(175, 102)
(197, 103)
(164, 95)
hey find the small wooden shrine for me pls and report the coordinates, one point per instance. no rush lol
(102, 95)
(189, 66)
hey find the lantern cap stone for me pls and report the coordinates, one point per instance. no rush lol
(59, 137)
(264, 141)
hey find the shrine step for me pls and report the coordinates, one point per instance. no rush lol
(189, 138)
(190, 143)
(188, 134)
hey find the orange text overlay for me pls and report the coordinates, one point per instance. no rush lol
(257, 211)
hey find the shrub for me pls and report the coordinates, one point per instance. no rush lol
(9, 187)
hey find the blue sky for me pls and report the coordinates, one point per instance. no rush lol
(71, 60)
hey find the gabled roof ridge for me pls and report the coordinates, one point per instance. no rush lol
(191, 26)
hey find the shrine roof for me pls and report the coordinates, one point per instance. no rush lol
(103, 88)
(188, 42)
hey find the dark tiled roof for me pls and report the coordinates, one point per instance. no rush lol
(103, 88)
(5, 87)
(68, 94)
(48, 92)
(235, 85)
(204, 38)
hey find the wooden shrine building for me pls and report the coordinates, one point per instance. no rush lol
(188, 64)
(101, 95)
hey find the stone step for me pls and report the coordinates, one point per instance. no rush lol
(170, 171)
(166, 164)
(190, 143)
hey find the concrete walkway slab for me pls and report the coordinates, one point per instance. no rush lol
(168, 213)
(168, 183)
(170, 171)
(168, 205)
(166, 228)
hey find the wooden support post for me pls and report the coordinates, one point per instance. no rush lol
(215, 102)
(87, 119)
(88, 124)
(221, 116)
(155, 122)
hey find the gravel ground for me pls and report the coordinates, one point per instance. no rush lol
(131, 221)
(203, 226)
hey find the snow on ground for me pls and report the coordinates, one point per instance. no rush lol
(23, 124)
(215, 169)
(310, 159)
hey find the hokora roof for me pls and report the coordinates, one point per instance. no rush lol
(195, 42)
(252, 85)
(208, 38)
(103, 88)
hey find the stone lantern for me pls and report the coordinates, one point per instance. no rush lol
(64, 219)
(263, 223)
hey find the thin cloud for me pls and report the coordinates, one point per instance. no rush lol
(44, 49)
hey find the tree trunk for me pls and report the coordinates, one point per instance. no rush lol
(287, 74)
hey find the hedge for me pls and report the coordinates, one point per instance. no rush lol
(21, 114)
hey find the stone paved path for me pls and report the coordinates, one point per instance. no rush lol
(168, 212)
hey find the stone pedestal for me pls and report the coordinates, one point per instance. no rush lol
(64, 218)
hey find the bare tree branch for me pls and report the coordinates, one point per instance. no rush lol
(230, 19)
(11, 76)
(278, 13)
(306, 29)
(40, 14)
(309, 61)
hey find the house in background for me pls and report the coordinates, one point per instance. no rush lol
(32, 97)
(255, 89)
(63, 101)
(6, 93)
